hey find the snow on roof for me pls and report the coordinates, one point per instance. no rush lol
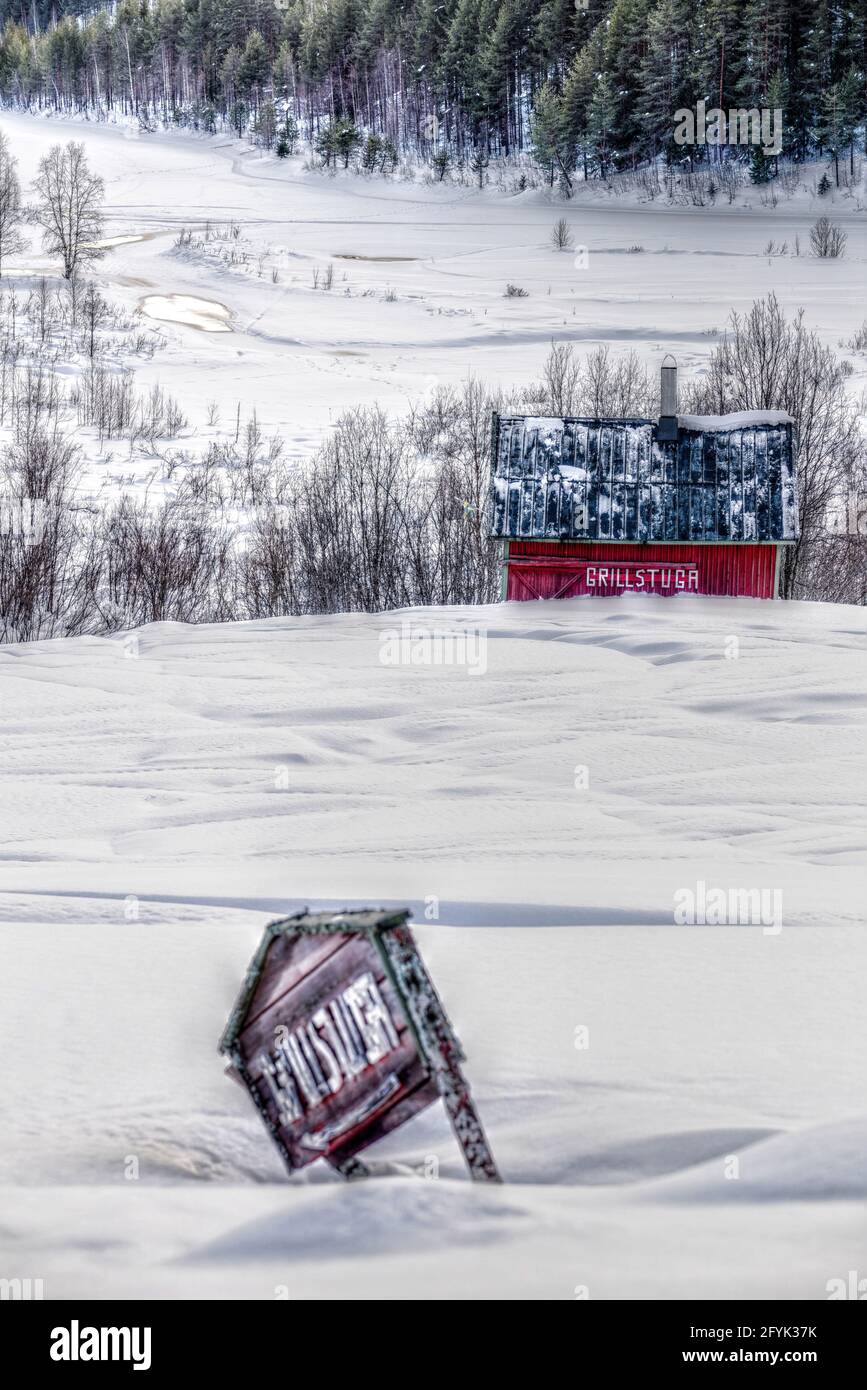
(740, 420)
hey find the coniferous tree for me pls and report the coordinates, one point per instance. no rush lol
(777, 99)
(760, 165)
(623, 55)
(602, 124)
(252, 71)
(670, 74)
(549, 141)
(838, 115)
(578, 92)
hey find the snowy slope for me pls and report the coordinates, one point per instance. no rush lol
(164, 795)
(419, 275)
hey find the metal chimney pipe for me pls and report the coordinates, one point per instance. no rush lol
(669, 386)
(666, 430)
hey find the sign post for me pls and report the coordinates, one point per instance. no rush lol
(340, 1037)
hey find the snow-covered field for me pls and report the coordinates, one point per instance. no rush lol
(419, 274)
(162, 801)
(165, 794)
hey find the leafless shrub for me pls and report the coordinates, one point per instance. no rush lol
(647, 182)
(157, 416)
(105, 401)
(618, 387)
(389, 513)
(730, 178)
(562, 380)
(833, 569)
(270, 571)
(48, 569)
(514, 292)
(141, 344)
(827, 240)
(95, 312)
(561, 234)
(164, 564)
(452, 431)
(851, 178)
(788, 179)
(858, 341)
(34, 399)
(698, 187)
(766, 362)
(644, 181)
(598, 386)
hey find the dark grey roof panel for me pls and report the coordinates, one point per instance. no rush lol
(612, 480)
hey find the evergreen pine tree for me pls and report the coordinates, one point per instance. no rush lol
(760, 165)
(578, 92)
(548, 139)
(624, 53)
(602, 124)
(672, 76)
(776, 99)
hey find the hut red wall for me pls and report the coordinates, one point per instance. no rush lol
(542, 569)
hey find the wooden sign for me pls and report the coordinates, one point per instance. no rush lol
(340, 1037)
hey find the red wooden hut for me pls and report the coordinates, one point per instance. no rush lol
(683, 504)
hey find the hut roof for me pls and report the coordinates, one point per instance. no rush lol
(724, 478)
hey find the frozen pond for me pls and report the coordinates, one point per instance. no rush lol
(207, 314)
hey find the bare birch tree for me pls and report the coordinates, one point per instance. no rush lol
(11, 239)
(769, 362)
(70, 207)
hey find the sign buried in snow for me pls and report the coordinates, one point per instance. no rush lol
(340, 1037)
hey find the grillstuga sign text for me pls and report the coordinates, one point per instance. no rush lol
(647, 579)
(313, 1062)
(339, 1037)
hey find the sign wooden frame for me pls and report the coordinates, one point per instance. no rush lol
(429, 1052)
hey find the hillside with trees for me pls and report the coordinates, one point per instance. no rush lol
(593, 89)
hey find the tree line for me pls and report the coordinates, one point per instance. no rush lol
(592, 87)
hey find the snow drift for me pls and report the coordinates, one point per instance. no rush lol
(164, 798)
